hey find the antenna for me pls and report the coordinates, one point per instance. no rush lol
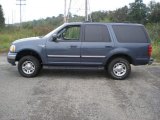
(20, 6)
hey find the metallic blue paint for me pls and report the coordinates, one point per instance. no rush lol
(80, 52)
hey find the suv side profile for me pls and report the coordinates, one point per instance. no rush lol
(113, 46)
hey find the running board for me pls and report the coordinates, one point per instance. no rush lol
(73, 68)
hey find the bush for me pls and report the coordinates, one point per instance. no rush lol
(154, 33)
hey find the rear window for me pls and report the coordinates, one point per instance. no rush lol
(96, 33)
(130, 34)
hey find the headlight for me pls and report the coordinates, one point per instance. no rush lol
(12, 48)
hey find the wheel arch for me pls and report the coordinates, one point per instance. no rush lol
(26, 52)
(119, 55)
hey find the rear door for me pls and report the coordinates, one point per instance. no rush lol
(96, 44)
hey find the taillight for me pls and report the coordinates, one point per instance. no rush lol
(150, 50)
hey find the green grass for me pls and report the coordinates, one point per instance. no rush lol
(156, 51)
(154, 33)
(8, 35)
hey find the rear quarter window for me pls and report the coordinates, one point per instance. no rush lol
(130, 34)
(96, 33)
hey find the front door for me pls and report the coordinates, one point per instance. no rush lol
(65, 50)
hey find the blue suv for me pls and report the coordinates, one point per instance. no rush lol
(112, 46)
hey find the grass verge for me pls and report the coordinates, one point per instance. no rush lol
(156, 52)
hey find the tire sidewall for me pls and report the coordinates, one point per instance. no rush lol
(119, 60)
(34, 61)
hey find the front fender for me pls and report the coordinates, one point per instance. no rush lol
(37, 47)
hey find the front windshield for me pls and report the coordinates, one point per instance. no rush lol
(54, 31)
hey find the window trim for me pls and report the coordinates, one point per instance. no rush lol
(71, 40)
(142, 27)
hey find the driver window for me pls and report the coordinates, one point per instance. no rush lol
(70, 33)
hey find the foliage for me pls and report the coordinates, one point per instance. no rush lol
(98, 16)
(138, 12)
(154, 33)
(119, 15)
(49, 21)
(2, 20)
(9, 34)
(154, 14)
(156, 52)
(76, 18)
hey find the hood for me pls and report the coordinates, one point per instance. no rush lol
(27, 40)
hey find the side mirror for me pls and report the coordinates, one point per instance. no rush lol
(54, 38)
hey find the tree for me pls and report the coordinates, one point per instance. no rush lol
(2, 20)
(154, 13)
(119, 15)
(98, 16)
(138, 12)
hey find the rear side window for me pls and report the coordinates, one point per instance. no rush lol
(130, 34)
(96, 33)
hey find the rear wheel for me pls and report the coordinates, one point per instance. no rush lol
(119, 68)
(29, 66)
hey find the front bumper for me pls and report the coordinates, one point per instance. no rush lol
(11, 57)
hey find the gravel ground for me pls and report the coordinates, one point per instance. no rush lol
(79, 95)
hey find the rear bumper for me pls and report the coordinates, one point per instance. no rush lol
(11, 58)
(143, 61)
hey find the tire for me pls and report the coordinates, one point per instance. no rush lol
(29, 66)
(119, 68)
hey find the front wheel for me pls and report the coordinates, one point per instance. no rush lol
(29, 66)
(119, 68)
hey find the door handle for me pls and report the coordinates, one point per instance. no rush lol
(108, 46)
(73, 46)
